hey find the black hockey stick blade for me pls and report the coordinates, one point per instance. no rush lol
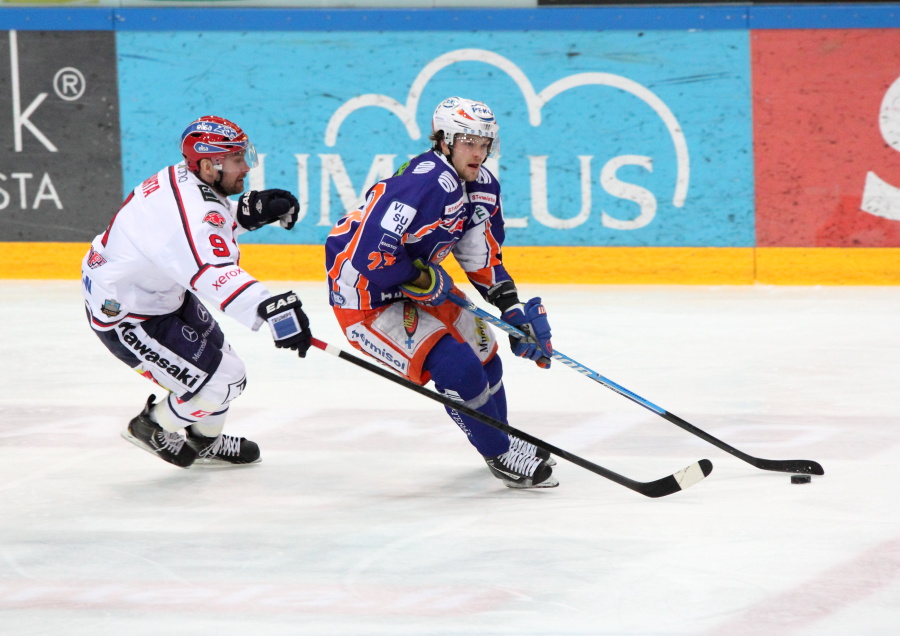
(680, 480)
(782, 465)
(807, 466)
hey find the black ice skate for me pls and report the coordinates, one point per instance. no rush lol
(517, 470)
(149, 436)
(527, 448)
(224, 449)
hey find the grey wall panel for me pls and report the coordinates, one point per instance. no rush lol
(60, 154)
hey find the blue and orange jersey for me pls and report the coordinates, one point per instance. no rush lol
(424, 211)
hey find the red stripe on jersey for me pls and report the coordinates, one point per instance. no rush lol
(206, 267)
(132, 317)
(113, 220)
(176, 192)
(231, 298)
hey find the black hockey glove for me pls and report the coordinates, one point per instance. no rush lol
(289, 325)
(259, 208)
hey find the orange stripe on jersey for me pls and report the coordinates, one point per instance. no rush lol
(493, 245)
(348, 251)
(423, 231)
(346, 222)
(362, 288)
(485, 275)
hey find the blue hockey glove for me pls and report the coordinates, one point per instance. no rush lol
(436, 292)
(289, 325)
(531, 319)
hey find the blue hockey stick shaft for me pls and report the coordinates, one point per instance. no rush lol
(780, 465)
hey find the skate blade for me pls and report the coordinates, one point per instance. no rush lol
(126, 434)
(550, 482)
(207, 463)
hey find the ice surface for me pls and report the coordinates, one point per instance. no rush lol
(370, 514)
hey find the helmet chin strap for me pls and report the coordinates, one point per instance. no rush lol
(449, 156)
(217, 184)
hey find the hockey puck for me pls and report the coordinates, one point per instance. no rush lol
(800, 479)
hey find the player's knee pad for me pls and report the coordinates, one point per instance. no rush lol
(228, 381)
(458, 374)
(454, 366)
(206, 410)
(493, 369)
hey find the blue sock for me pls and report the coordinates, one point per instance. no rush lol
(457, 373)
(494, 371)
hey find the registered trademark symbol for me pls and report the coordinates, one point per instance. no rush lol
(69, 83)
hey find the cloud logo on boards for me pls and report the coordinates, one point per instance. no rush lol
(534, 102)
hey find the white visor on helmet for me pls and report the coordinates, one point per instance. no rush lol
(473, 142)
(248, 152)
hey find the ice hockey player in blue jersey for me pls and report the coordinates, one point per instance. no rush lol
(389, 291)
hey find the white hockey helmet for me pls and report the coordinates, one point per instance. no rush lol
(460, 116)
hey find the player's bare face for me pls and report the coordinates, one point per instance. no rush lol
(233, 171)
(469, 152)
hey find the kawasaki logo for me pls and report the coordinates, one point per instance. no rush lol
(184, 375)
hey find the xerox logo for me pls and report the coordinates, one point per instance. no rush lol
(59, 134)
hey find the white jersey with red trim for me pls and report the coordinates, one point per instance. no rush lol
(173, 233)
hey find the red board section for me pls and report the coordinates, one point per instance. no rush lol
(818, 132)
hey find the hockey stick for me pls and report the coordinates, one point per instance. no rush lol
(659, 488)
(781, 465)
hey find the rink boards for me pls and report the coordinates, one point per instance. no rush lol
(701, 145)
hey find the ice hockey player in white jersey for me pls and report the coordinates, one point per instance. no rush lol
(170, 247)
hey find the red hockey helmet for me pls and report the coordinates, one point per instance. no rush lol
(211, 137)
